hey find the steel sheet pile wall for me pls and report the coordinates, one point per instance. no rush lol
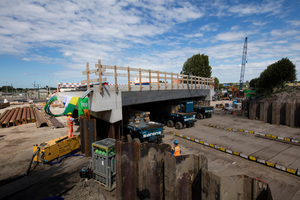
(149, 171)
(232, 187)
(278, 113)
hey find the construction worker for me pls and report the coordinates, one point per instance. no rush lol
(70, 120)
(176, 149)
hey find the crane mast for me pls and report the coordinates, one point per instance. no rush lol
(243, 65)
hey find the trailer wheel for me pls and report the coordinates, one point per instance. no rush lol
(178, 125)
(209, 115)
(192, 124)
(170, 123)
(129, 138)
(199, 116)
(159, 141)
(188, 125)
(137, 140)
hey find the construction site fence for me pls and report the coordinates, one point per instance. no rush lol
(144, 76)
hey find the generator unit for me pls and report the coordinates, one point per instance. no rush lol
(48, 151)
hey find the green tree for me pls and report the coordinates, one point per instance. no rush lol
(275, 75)
(217, 83)
(197, 65)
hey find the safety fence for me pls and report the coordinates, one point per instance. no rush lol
(151, 78)
(242, 155)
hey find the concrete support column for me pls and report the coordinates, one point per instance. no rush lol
(276, 113)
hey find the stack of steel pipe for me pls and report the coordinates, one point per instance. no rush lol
(40, 119)
(24, 115)
(5, 122)
(56, 123)
(28, 115)
(3, 116)
(12, 120)
(32, 117)
(18, 119)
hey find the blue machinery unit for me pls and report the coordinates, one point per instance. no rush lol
(146, 131)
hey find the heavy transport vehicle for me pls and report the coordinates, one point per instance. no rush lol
(182, 115)
(204, 111)
(141, 129)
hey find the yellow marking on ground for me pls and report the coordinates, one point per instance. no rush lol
(270, 164)
(291, 171)
(222, 149)
(252, 158)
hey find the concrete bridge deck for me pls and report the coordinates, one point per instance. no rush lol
(108, 104)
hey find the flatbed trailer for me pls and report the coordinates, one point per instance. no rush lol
(204, 111)
(146, 131)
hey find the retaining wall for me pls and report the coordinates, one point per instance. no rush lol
(149, 171)
(279, 113)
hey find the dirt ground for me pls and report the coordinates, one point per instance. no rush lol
(16, 151)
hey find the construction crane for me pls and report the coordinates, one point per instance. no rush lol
(243, 65)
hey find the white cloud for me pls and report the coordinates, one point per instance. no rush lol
(230, 36)
(294, 22)
(67, 54)
(249, 8)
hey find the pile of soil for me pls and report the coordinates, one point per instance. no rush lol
(291, 95)
(89, 190)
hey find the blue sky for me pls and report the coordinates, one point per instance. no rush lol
(49, 40)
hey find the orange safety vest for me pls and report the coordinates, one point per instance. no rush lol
(69, 121)
(176, 151)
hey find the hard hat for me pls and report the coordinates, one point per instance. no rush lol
(175, 142)
(69, 113)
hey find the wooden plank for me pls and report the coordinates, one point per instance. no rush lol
(150, 79)
(113, 74)
(116, 80)
(128, 81)
(182, 81)
(177, 81)
(165, 80)
(100, 76)
(140, 78)
(94, 80)
(157, 80)
(88, 75)
(171, 81)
